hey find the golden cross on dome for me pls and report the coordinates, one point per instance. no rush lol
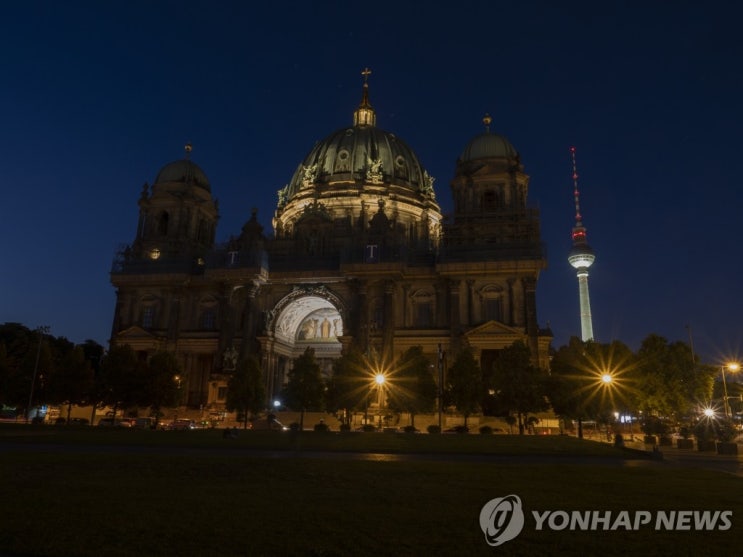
(366, 73)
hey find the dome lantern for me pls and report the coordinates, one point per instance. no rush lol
(364, 115)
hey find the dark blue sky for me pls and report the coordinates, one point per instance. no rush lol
(97, 96)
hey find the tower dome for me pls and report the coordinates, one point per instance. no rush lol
(183, 171)
(488, 145)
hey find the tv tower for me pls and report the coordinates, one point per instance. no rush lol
(581, 258)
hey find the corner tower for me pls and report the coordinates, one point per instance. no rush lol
(581, 257)
(492, 250)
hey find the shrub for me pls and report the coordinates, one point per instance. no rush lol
(345, 428)
(704, 430)
(410, 429)
(655, 426)
(322, 426)
(294, 426)
(368, 427)
(725, 430)
(433, 429)
(486, 430)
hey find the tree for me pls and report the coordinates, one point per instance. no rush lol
(73, 380)
(464, 384)
(162, 383)
(412, 386)
(349, 385)
(245, 389)
(589, 380)
(304, 389)
(24, 349)
(670, 383)
(122, 378)
(518, 386)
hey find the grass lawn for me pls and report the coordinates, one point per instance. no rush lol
(76, 498)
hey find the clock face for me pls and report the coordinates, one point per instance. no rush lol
(154, 254)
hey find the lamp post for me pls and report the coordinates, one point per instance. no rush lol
(380, 379)
(732, 366)
(44, 329)
(606, 381)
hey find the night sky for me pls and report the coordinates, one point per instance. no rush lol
(96, 97)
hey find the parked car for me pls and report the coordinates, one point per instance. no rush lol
(144, 423)
(181, 424)
(457, 429)
(115, 422)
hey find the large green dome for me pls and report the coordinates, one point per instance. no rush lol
(359, 154)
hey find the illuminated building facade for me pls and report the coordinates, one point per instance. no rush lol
(360, 255)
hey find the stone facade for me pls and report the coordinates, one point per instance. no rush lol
(360, 254)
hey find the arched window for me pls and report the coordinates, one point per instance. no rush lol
(162, 224)
(208, 320)
(492, 303)
(491, 309)
(148, 317)
(423, 309)
(488, 201)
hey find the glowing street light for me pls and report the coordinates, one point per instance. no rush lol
(607, 378)
(733, 367)
(709, 412)
(380, 380)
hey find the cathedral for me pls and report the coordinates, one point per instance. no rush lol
(360, 255)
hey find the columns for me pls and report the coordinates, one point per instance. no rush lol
(511, 309)
(470, 301)
(405, 305)
(227, 326)
(530, 308)
(362, 318)
(389, 318)
(454, 316)
(249, 320)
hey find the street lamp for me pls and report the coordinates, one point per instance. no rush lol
(44, 329)
(732, 366)
(380, 379)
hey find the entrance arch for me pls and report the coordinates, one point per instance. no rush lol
(306, 317)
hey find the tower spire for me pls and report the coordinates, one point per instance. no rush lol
(487, 120)
(581, 257)
(576, 193)
(364, 114)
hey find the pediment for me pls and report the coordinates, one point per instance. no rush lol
(135, 332)
(494, 328)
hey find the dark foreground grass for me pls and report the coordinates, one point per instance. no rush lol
(310, 441)
(63, 501)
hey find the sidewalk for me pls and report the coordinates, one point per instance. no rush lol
(710, 460)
